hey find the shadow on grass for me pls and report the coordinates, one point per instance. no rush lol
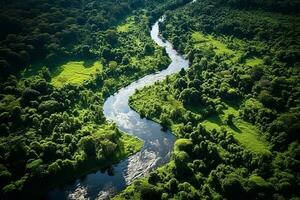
(215, 119)
(236, 103)
(194, 109)
(88, 63)
(55, 67)
(235, 128)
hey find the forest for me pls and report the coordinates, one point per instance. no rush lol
(235, 111)
(52, 125)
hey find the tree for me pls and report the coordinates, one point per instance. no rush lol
(4, 130)
(29, 95)
(184, 145)
(172, 185)
(153, 178)
(5, 177)
(175, 114)
(87, 145)
(181, 159)
(4, 69)
(46, 127)
(45, 74)
(190, 96)
(149, 192)
(10, 190)
(266, 98)
(50, 106)
(182, 72)
(108, 148)
(229, 119)
(148, 49)
(54, 168)
(34, 166)
(256, 73)
(165, 121)
(232, 186)
(203, 63)
(112, 37)
(180, 83)
(49, 151)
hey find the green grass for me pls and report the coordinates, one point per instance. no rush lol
(75, 73)
(220, 45)
(127, 26)
(208, 41)
(247, 134)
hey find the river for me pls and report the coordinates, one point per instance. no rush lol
(157, 147)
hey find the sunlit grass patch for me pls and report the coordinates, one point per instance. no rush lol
(208, 41)
(75, 73)
(246, 134)
(223, 46)
(127, 26)
(250, 138)
(124, 27)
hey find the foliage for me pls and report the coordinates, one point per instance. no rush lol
(66, 61)
(236, 110)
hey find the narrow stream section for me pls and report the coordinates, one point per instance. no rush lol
(158, 144)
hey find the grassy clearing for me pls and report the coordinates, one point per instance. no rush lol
(220, 46)
(208, 41)
(75, 73)
(127, 26)
(247, 134)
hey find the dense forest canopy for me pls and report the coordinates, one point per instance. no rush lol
(59, 60)
(235, 111)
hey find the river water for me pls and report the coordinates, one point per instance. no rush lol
(157, 147)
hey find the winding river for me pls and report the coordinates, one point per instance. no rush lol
(158, 144)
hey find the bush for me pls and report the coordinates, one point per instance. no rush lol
(232, 187)
(190, 96)
(29, 95)
(184, 145)
(88, 146)
(51, 106)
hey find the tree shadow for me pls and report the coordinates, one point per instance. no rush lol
(194, 109)
(88, 63)
(236, 103)
(55, 67)
(215, 119)
(235, 128)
